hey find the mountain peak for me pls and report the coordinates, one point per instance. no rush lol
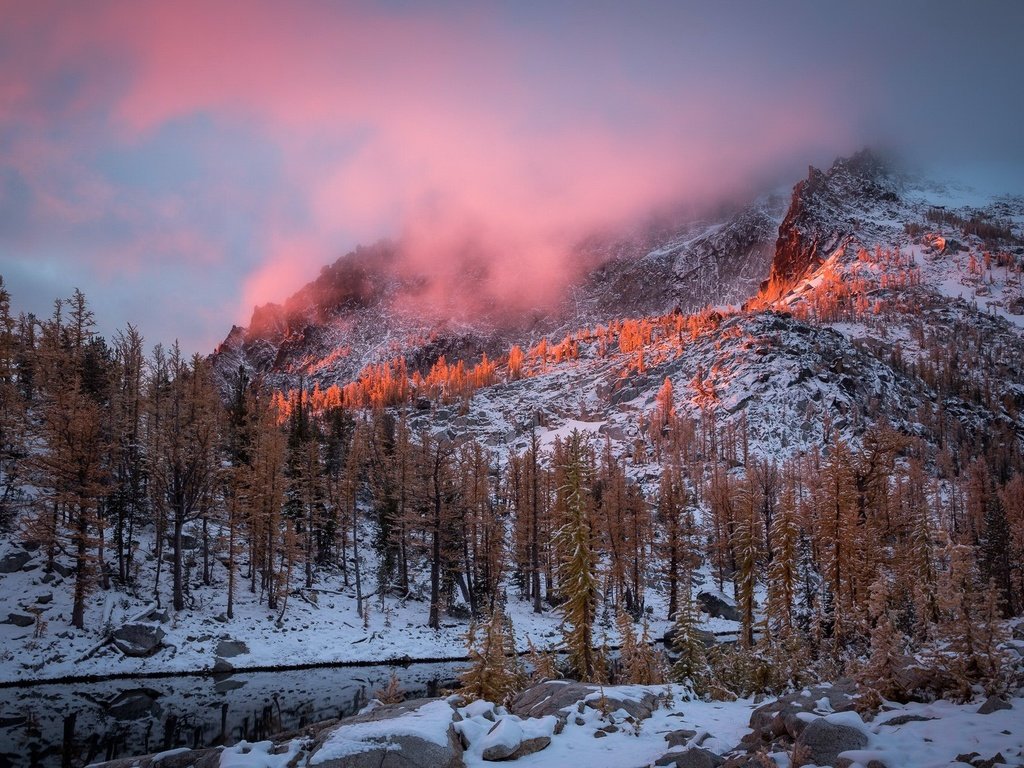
(820, 219)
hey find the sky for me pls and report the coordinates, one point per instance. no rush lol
(182, 162)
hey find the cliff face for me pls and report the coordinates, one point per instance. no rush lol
(823, 215)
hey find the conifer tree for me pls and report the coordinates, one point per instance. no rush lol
(578, 572)
(13, 416)
(542, 664)
(747, 547)
(887, 643)
(493, 674)
(691, 665)
(996, 543)
(971, 625)
(639, 663)
(783, 572)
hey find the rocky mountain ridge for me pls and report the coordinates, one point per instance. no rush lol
(832, 333)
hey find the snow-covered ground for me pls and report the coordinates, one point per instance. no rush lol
(912, 735)
(326, 631)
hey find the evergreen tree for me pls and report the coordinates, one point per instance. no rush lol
(578, 572)
(691, 666)
(996, 543)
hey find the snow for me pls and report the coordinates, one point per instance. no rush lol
(258, 755)
(626, 747)
(328, 631)
(429, 722)
(506, 733)
(549, 436)
(957, 729)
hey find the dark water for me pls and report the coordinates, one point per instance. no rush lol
(75, 724)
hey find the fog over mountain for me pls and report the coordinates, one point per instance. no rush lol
(182, 165)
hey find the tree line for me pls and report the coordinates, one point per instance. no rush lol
(842, 557)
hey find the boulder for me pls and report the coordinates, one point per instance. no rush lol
(821, 742)
(502, 740)
(781, 717)
(508, 741)
(19, 620)
(549, 698)
(45, 599)
(14, 562)
(228, 649)
(919, 683)
(63, 570)
(695, 757)
(680, 737)
(715, 605)
(994, 704)
(638, 708)
(529, 746)
(414, 734)
(138, 639)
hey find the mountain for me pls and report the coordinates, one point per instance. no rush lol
(368, 306)
(837, 306)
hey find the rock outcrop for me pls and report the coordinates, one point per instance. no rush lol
(823, 216)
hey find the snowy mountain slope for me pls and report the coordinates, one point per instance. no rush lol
(870, 263)
(366, 309)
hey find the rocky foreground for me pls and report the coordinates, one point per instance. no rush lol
(564, 723)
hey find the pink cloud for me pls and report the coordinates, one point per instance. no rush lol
(438, 129)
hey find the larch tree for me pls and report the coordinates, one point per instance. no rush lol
(493, 674)
(185, 457)
(13, 414)
(72, 467)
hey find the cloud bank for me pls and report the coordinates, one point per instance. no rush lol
(182, 162)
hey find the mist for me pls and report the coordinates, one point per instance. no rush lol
(184, 162)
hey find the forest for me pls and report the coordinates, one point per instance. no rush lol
(861, 558)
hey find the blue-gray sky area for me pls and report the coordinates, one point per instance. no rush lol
(182, 161)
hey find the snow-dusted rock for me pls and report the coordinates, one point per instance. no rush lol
(508, 740)
(708, 639)
(14, 562)
(718, 606)
(227, 649)
(786, 715)
(549, 698)
(823, 740)
(994, 704)
(138, 639)
(680, 737)
(639, 704)
(502, 740)
(918, 682)
(414, 734)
